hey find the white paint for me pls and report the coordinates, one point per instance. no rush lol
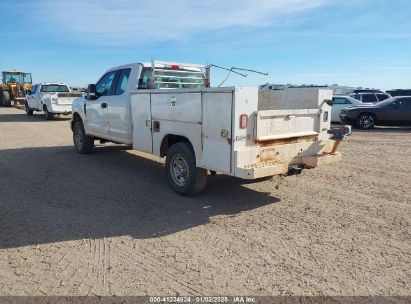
(209, 118)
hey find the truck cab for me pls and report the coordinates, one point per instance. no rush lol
(107, 114)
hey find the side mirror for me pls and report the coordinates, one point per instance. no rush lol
(330, 102)
(91, 92)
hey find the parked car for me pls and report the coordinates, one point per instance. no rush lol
(51, 98)
(399, 92)
(370, 97)
(392, 111)
(342, 102)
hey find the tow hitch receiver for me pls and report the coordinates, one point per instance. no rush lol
(340, 133)
(295, 170)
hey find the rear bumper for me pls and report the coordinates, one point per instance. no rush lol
(274, 168)
(61, 109)
(276, 159)
(261, 170)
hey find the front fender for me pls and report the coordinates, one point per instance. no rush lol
(77, 111)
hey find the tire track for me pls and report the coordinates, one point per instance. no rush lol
(149, 265)
(98, 267)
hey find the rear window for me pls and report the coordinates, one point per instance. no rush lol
(54, 88)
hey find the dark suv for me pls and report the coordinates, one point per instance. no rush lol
(370, 97)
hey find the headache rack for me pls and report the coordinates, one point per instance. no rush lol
(170, 75)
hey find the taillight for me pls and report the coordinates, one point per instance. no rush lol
(243, 121)
(175, 67)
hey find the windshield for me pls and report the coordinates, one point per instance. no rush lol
(16, 77)
(27, 78)
(54, 88)
(12, 77)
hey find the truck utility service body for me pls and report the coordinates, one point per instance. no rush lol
(238, 131)
(52, 98)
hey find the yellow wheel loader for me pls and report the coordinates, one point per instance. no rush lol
(14, 87)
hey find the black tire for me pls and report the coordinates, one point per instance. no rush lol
(366, 121)
(83, 143)
(27, 108)
(182, 174)
(6, 99)
(47, 115)
(1, 98)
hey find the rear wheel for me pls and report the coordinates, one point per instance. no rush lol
(28, 110)
(47, 115)
(1, 98)
(83, 143)
(6, 99)
(366, 121)
(183, 175)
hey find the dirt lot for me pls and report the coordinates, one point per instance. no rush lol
(108, 224)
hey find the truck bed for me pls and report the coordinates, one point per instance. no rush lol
(277, 135)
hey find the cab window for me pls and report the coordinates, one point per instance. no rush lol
(122, 81)
(145, 79)
(104, 85)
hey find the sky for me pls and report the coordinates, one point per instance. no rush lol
(360, 43)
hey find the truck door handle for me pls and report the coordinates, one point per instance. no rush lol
(104, 105)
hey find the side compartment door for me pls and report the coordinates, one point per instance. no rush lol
(141, 113)
(216, 131)
(96, 110)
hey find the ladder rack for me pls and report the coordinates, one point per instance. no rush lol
(171, 75)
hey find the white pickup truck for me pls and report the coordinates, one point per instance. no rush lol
(51, 98)
(169, 110)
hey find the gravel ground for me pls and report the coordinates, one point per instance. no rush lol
(108, 224)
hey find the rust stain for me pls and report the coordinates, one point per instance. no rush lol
(288, 141)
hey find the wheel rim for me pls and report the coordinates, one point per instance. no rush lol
(366, 121)
(179, 170)
(78, 139)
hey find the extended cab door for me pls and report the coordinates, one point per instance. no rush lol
(96, 110)
(119, 112)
